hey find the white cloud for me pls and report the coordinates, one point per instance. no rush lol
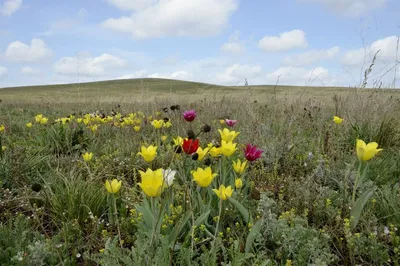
(176, 18)
(36, 51)
(234, 45)
(311, 56)
(3, 71)
(181, 75)
(26, 70)
(137, 74)
(285, 41)
(351, 8)
(88, 66)
(386, 47)
(10, 6)
(237, 73)
(298, 76)
(131, 4)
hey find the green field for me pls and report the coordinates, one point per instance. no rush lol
(312, 198)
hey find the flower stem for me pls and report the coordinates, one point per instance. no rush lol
(356, 184)
(116, 219)
(219, 218)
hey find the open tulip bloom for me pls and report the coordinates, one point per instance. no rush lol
(189, 115)
(252, 153)
(365, 151)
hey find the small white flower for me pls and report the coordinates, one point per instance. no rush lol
(169, 176)
(386, 230)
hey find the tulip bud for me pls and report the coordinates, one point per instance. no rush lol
(190, 134)
(206, 128)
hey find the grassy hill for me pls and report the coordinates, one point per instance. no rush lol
(146, 89)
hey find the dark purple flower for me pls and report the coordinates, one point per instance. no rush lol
(252, 153)
(189, 115)
(230, 123)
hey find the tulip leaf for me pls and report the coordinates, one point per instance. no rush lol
(148, 216)
(254, 232)
(178, 227)
(200, 220)
(245, 213)
(359, 206)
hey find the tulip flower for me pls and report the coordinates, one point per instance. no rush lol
(238, 183)
(190, 146)
(152, 182)
(337, 120)
(228, 135)
(227, 148)
(28, 125)
(230, 123)
(113, 186)
(239, 167)
(203, 177)
(163, 138)
(214, 151)
(2, 128)
(38, 118)
(44, 121)
(252, 153)
(168, 176)
(87, 156)
(167, 124)
(202, 153)
(136, 128)
(365, 151)
(223, 192)
(148, 153)
(189, 115)
(157, 124)
(178, 141)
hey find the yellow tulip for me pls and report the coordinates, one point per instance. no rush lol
(365, 151)
(203, 177)
(44, 121)
(228, 135)
(87, 156)
(178, 141)
(2, 128)
(238, 183)
(223, 192)
(148, 153)
(152, 182)
(215, 152)
(136, 128)
(167, 124)
(222, 121)
(163, 138)
(28, 125)
(94, 128)
(113, 187)
(38, 118)
(157, 124)
(337, 120)
(239, 167)
(79, 120)
(202, 153)
(228, 148)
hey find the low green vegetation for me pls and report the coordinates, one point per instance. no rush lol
(142, 182)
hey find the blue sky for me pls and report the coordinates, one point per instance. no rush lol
(299, 42)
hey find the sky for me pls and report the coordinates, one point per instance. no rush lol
(289, 42)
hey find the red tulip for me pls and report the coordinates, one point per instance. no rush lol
(252, 153)
(190, 146)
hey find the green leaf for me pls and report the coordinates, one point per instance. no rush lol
(178, 228)
(245, 213)
(359, 206)
(148, 216)
(255, 230)
(200, 220)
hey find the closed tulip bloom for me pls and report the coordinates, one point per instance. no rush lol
(152, 182)
(214, 151)
(157, 124)
(2, 128)
(337, 120)
(228, 135)
(228, 148)
(169, 176)
(148, 153)
(178, 141)
(203, 177)
(87, 156)
(365, 151)
(163, 138)
(223, 192)
(238, 183)
(38, 118)
(136, 128)
(167, 124)
(189, 115)
(44, 121)
(252, 153)
(202, 153)
(239, 167)
(190, 146)
(113, 186)
(29, 125)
